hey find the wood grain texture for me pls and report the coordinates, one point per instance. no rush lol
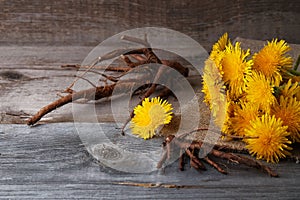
(28, 73)
(88, 22)
(50, 161)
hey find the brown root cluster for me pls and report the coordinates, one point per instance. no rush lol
(141, 56)
(189, 150)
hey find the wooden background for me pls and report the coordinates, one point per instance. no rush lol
(88, 22)
(49, 161)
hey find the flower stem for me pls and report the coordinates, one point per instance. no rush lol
(294, 72)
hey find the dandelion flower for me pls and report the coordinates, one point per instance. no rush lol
(259, 90)
(243, 114)
(215, 94)
(149, 116)
(289, 90)
(234, 68)
(272, 58)
(288, 110)
(213, 87)
(219, 46)
(222, 118)
(267, 138)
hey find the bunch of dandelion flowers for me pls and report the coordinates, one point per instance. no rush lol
(149, 116)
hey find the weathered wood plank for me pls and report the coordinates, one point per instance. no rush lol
(49, 161)
(89, 22)
(28, 73)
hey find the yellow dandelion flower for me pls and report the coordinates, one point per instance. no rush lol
(289, 90)
(267, 138)
(219, 46)
(272, 58)
(288, 110)
(222, 118)
(149, 116)
(259, 90)
(215, 95)
(225, 119)
(234, 68)
(213, 87)
(243, 114)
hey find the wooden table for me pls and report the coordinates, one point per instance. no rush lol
(50, 161)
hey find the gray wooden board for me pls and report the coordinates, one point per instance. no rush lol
(49, 161)
(28, 73)
(89, 22)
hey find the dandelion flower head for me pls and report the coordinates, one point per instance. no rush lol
(267, 138)
(289, 89)
(213, 86)
(149, 116)
(288, 110)
(259, 90)
(219, 46)
(243, 114)
(272, 58)
(234, 68)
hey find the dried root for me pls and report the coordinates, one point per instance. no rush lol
(191, 151)
(142, 56)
